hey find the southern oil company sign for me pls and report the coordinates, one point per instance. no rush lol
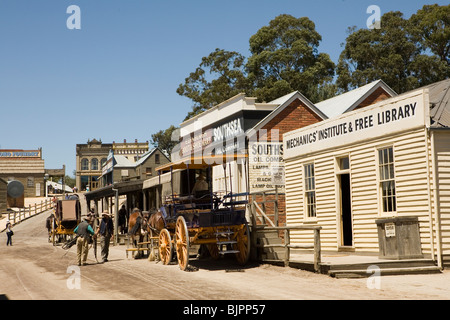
(224, 137)
(398, 116)
(266, 166)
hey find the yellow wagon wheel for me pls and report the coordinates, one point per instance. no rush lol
(213, 249)
(182, 243)
(165, 246)
(242, 245)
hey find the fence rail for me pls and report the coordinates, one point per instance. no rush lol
(287, 242)
(270, 222)
(27, 212)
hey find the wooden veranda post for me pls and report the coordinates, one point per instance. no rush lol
(317, 250)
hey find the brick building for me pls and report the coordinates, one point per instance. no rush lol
(294, 111)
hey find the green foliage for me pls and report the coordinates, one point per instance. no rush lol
(166, 140)
(404, 53)
(285, 58)
(431, 28)
(398, 52)
(228, 79)
(70, 181)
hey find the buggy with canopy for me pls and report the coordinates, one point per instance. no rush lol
(67, 216)
(204, 218)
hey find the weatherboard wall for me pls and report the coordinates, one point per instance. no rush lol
(411, 168)
(442, 158)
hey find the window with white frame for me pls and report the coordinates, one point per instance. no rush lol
(387, 179)
(310, 190)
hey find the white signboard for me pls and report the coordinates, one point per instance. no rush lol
(389, 229)
(397, 116)
(266, 166)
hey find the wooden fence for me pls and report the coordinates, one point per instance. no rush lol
(287, 242)
(27, 212)
(261, 221)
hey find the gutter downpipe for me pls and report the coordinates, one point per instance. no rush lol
(429, 191)
(116, 216)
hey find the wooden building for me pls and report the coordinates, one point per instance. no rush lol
(119, 168)
(353, 172)
(3, 196)
(294, 111)
(26, 166)
(240, 125)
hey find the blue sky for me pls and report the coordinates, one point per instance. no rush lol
(116, 77)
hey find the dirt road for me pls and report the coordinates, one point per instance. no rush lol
(34, 269)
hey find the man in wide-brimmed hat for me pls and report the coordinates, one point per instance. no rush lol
(200, 184)
(84, 231)
(105, 229)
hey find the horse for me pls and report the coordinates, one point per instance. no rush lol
(144, 223)
(155, 224)
(156, 221)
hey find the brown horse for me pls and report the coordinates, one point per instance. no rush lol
(155, 224)
(136, 222)
(141, 224)
(156, 221)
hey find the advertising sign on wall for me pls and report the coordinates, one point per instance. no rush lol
(266, 166)
(402, 115)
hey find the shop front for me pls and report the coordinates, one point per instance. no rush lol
(350, 174)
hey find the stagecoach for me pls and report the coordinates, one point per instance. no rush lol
(67, 216)
(203, 218)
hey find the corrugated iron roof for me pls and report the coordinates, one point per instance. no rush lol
(347, 101)
(439, 103)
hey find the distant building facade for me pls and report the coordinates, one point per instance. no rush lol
(93, 155)
(26, 166)
(119, 168)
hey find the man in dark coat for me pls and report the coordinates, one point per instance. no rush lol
(105, 229)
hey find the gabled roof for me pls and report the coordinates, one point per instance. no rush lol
(122, 161)
(285, 101)
(148, 154)
(348, 101)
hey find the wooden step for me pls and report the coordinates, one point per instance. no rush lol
(407, 263)
(358, 273)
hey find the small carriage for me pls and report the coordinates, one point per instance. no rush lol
(67, 216)
(215, 222)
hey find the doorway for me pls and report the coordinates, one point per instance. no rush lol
(346, 210)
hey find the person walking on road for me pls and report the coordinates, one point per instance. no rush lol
(9, 233)
(105, 229)
(84, 232)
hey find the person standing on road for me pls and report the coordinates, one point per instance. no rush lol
(84, 232)
(105, 229)
(122, 219)
(9, 233)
